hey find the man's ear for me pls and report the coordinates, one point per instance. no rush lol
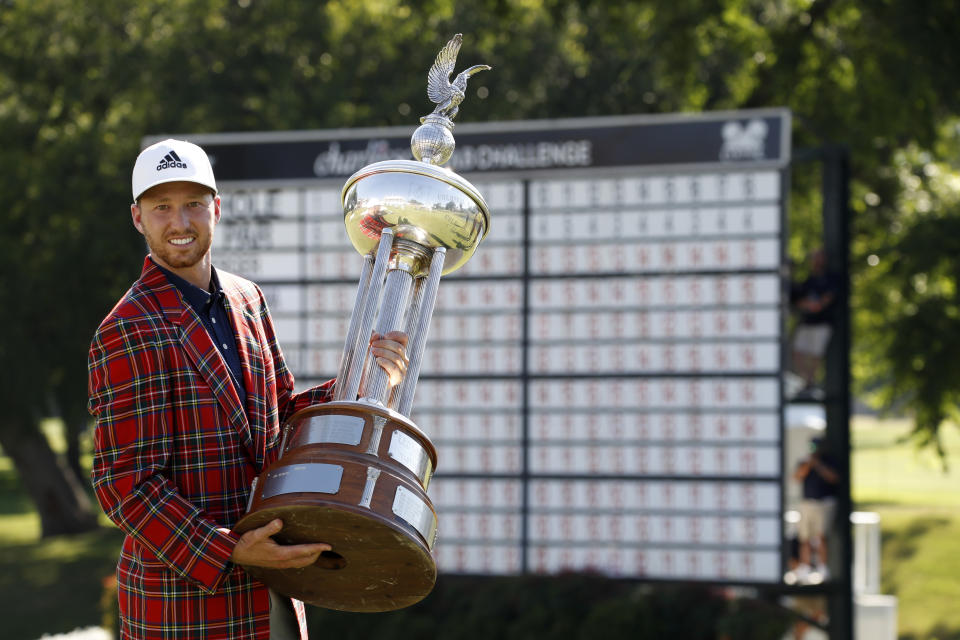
(216, 209)
(135, 214)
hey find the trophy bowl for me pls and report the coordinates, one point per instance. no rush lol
(428, 205)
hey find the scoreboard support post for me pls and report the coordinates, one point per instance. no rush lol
(836, 239)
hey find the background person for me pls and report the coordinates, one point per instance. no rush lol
(814, 299)
(189, 389)
(820, 485)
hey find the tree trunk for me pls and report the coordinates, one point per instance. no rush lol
(56, 491)
(71, 432)
(73, 428)
(69, 401)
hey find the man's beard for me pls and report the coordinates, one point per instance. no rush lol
(179, 258)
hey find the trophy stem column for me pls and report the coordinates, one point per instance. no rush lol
(397, 290)
(358, 356)
(418, 335)
(356, 319)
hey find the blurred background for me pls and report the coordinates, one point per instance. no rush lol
(81, 83)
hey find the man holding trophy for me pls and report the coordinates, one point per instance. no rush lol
(189, 389)
(190, 392)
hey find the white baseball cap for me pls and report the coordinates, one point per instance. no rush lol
(171, 161)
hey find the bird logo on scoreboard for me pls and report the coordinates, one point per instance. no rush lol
(744, 142)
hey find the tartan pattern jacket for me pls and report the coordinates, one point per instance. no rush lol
(175, 454)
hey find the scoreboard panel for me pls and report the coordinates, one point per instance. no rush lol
(603, 379)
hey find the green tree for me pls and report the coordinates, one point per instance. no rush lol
(82, 82)
(58, 258)
(913, 275)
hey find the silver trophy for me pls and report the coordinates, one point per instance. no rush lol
(354, 472)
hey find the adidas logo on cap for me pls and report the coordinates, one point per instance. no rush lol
(171, 161)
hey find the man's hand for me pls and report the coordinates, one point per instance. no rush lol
(391, 354)
(257, 549)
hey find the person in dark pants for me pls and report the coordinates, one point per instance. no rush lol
(814, 299)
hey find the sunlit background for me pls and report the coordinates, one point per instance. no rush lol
(83, 82)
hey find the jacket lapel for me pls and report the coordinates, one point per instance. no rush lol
(251, 360)
(199, 348)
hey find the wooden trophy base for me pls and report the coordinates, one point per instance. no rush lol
(352, 475)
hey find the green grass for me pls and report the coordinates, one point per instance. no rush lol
(887, 471)
(919, 507)
(53, 585)
(920, 566)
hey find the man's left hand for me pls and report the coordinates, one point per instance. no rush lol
(390, 352)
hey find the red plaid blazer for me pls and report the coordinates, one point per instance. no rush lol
(175, 454)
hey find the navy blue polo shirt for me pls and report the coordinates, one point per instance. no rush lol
(211, 306)
(815, 486)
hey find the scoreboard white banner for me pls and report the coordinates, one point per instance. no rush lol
(602, 380)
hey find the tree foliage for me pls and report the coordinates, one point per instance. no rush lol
(81, 82)
(910, 291)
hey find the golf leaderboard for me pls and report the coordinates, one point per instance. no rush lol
(603, 382)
